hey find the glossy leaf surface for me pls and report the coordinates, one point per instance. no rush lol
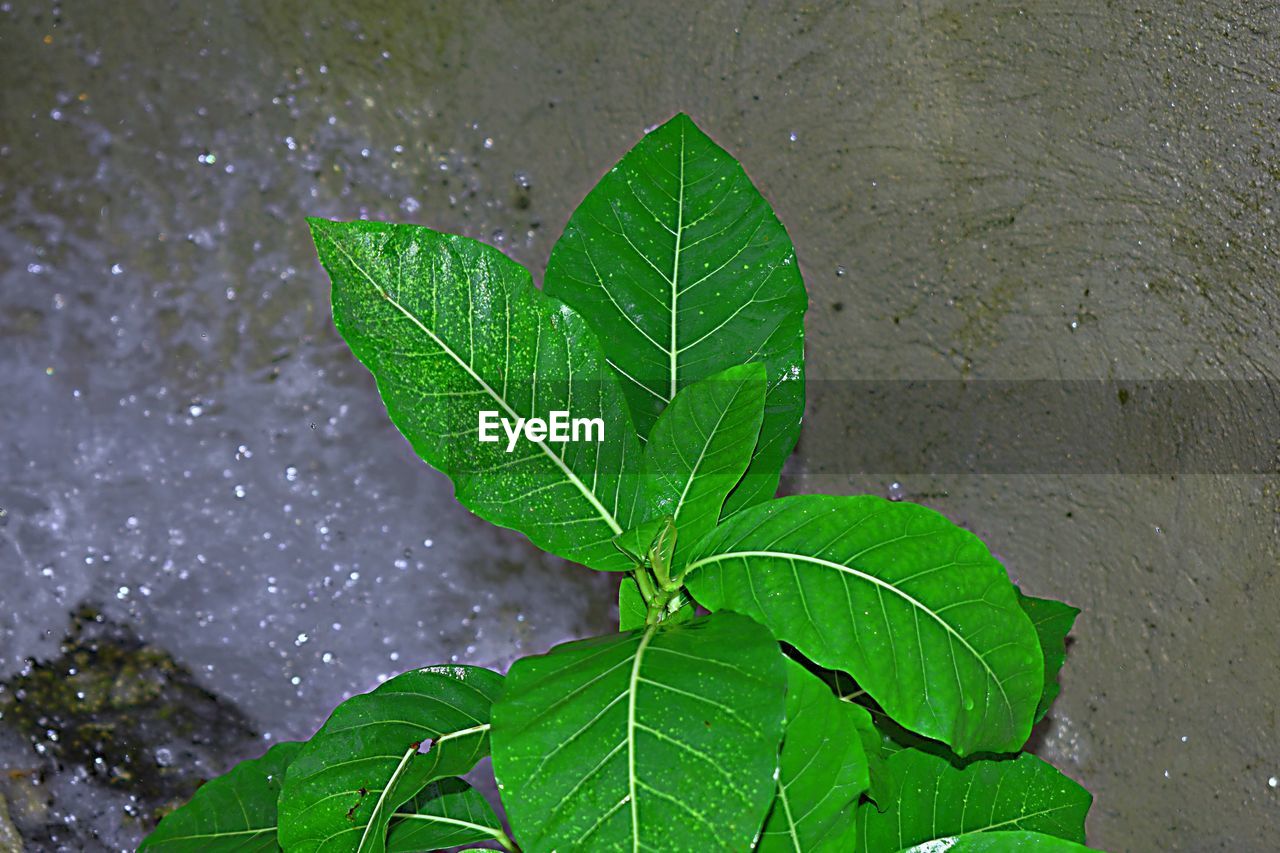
(931, 800)
(235, 812)
(1001, 842)
(822, 770)
(913, 607)
(1052, 621)
(451, 328)
(660, 739)
(378, 750)
(447, 813)
(699, 449)
(681, 263)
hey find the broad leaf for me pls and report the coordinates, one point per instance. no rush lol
(448, 813)
(451, 328)
(342, 788)
(1001, 842)
(930, 800)
(698, 451)
(660, 739)
(235, 812)
(678, 260)
(913, 607)
(1052, 621)
(823, 770)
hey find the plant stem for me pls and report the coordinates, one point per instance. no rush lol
(645, 581)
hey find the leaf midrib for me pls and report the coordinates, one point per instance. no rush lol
(382, 797)
(171, 839)
(675, 274)
(633, 685)
(430, 818)
(604, 513)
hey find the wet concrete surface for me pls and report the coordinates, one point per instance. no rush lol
(1044, 191)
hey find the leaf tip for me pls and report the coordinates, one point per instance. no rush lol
(320, 227)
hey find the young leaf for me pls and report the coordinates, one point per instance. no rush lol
(1001, 842)
(632, 611)
(699, 449)
(822, 770)
(660, 739)
(447, 813)
(679, 260)
(1052, 621)
(342, 788)
(637, 541)
(930, 800)
(451, 328)
(236, 811)
(913, 607)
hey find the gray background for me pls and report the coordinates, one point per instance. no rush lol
(1042, 190)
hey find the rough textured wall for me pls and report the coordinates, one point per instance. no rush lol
(1051, 190)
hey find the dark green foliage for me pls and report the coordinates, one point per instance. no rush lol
(907, 646)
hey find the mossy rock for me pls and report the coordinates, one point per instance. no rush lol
(125, 711)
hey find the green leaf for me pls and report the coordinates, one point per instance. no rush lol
(636, 541)
(447, 813)
(930, 799)
(451, 328)
(1052, 621)
(913, 607)
(661, 739)
(1001, 842)
(236, 811)
(678, 260)
(822, 770)
(341, 789)
(873, 740)
(632, 611)
(894, 738)
(698, 451)
(870, 738)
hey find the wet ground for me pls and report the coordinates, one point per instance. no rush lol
(1048, 191)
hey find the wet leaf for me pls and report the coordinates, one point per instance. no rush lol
(664, 738)
(378, 750)
(1052, 621)
(698, 451)
(1001, 842)
(235, 812)
(447, 813)
(451, 328)
(913, 607)
(823, 770)
(681, 263)
(931, 800)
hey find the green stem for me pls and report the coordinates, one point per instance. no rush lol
(645, 581)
